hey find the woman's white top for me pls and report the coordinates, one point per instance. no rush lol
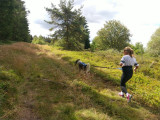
(127, 60)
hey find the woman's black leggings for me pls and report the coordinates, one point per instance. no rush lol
(127, 74)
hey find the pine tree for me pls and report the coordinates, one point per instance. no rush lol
(20, 28)
(13, 21)
(6, 15)
(69, 25)
(86, 36)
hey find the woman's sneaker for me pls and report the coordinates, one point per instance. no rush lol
(129, 97)
(120, 94)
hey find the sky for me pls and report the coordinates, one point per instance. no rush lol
(141, 17)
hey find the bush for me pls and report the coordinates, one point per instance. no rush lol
(38, 40)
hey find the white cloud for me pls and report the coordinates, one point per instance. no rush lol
(141, 17)
(37, 13)
(97, 12)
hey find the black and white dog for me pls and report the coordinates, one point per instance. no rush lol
(82, 66)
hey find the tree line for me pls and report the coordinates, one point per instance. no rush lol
(70, 29)
(13, 21)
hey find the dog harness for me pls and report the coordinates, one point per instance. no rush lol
(82, 64)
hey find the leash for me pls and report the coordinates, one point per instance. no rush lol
(107, 67)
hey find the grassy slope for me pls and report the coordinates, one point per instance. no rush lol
(145, 84)
(37, 85)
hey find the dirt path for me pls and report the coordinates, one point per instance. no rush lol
(25, 109)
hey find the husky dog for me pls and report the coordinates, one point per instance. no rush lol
(82, 66)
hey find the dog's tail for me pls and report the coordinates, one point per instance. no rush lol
(87, 67)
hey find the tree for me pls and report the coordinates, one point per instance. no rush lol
(38, 40)
(86, 35)
(114, 35)
(20, 26)
(153, 45)
(97, 44)
(69, 25)
(13, 21)
(6, 15)
(138, 48)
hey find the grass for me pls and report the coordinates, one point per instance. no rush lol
(42, 85)
(141, 83)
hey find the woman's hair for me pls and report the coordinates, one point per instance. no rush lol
(129, 50)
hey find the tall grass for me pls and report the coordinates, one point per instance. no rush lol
(36, 84)
(144, 84)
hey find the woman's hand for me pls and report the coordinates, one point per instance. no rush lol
(121, 64)
(135, 68)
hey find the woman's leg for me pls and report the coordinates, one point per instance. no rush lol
(123, 83)
(127, 74)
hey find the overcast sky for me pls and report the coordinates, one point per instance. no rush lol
(141, 17)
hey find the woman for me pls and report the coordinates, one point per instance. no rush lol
(127, 62)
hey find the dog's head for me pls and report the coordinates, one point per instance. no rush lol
(77, 61)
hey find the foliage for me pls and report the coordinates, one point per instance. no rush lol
(138, 48)
(13, 22)
(69, 25)
(154, 44)
(38, 40)
(41, 40)
(97, 44)
(114, 35)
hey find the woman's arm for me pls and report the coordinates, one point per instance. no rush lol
(122, 61)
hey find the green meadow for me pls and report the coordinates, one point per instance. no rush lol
(41, 82)
(144, 85)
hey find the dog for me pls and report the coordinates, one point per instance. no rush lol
(82, 66)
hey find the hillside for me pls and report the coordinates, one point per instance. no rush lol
(42, 83)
